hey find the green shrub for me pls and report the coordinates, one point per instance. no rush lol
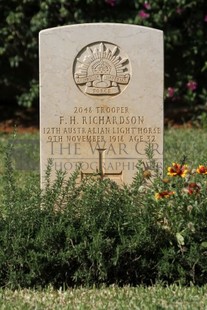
(96, 232)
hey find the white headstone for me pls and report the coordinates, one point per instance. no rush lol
(101, 98)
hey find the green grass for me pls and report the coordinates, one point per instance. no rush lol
(185, 142)
(26, 148)
(25, 155)
(149, 298)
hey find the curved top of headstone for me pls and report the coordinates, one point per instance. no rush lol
(94, 25)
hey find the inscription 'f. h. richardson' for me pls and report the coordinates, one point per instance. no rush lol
(101, 69)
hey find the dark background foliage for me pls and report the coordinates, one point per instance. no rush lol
(184, 24)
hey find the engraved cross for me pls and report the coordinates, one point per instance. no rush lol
(101, 168)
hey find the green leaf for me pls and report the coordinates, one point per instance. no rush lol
(180, 239)
(204, 244)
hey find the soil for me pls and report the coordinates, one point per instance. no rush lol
(13, 116)
(27, 120)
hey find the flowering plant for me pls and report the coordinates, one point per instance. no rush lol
(175, 205)
(189, 181)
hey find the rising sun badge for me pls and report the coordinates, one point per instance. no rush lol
(101, 69)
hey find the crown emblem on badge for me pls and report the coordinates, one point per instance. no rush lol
(101, 70)
(101, 67)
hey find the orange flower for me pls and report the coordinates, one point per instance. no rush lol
(147, 174)
(177, 169)
(166, 180)
(193, 188)
(164, 194)
(202, 169)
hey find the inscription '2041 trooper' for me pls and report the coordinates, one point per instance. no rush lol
(102, 69)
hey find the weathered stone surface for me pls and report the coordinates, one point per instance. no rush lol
(101, 98)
